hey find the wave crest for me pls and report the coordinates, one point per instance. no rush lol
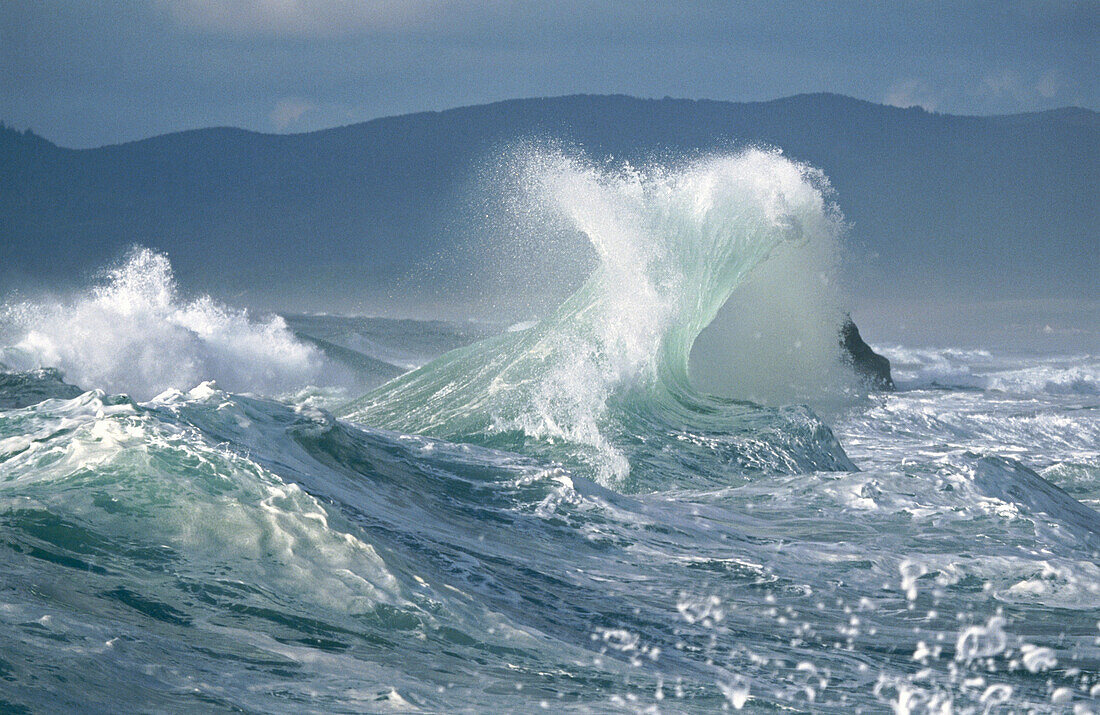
(134, 333)
(672, 246)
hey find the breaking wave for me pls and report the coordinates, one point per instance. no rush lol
(591, 533)
(920, 368)
(135, 333)
(613, 359)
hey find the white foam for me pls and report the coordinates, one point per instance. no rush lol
(136, 334)
(672, 243)
(916, 368)
(202, 498)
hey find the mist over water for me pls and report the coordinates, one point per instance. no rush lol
(672, 245)
(775, 340)
(665, 494)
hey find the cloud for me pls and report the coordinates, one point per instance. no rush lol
(288, 111)
(1014, 86)
(85, 74)
(911, 93)
(297, 18)
(1005, 83)
(1048, 84)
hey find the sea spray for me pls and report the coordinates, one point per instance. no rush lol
(672, 245)
(215, 551)
(775, 341)
(136, 333)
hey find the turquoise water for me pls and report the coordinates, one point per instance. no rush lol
(543, 517)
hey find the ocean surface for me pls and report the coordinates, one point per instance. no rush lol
(203, 509)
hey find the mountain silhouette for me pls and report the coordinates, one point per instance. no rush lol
(938, 205)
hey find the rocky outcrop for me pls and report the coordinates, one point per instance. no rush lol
(873, 368)
(20, 389)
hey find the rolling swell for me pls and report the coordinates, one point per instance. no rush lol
(206, 550)
(219, 551)
(259, 557)
(216, 551)
(609, 368)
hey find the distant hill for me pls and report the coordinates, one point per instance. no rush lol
(1003, 207)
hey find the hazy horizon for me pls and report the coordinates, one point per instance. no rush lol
(506, 100)
(88, 75)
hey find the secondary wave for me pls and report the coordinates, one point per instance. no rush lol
(134, 333)
(612, 362)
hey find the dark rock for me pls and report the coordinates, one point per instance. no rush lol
(869, 365)
(21, 389)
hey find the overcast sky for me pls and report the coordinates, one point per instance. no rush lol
(84, 74)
